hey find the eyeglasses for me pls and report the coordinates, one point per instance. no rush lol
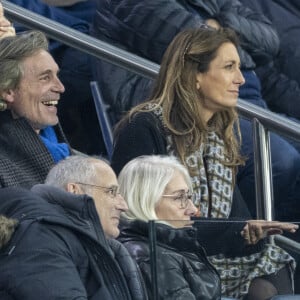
(113, 191)
(182, 199)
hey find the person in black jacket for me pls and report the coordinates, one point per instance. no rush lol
(57, 242)
(159, 188)
(146, 28)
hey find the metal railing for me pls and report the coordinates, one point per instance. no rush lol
(264, 120)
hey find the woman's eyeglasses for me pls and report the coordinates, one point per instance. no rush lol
(182, 199)
(113, 191)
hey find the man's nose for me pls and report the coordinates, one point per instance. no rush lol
(121, 204)
(58, 86)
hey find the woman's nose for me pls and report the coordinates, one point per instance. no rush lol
(240, 78)
(191, 209)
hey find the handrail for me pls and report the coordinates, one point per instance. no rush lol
(275, 122)
(133, 62)
(80, 41)
(263, 172)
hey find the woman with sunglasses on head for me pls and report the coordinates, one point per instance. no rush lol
(191, 114)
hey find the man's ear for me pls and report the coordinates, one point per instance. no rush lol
(8, 96)
(73, 188)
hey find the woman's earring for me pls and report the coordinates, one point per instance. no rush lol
(3, 105)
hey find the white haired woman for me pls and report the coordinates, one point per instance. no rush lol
(159, 188)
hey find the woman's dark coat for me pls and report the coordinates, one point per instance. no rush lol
(183, 271)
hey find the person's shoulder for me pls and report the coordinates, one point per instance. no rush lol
(17, 201)
(143, 117)
(138, 122)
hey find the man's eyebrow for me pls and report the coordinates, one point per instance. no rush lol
(48, 71)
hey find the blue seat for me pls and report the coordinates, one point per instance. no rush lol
(101, 109)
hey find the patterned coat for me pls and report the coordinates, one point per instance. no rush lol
(24, 159)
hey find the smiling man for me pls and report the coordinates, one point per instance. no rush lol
(57, 240)
(31, 138)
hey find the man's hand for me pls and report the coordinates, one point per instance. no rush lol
(256, 230)
(6, 28)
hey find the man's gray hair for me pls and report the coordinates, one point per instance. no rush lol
(13, 50)
(75, 168)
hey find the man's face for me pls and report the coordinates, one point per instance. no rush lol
(39, 91)
(109, 208)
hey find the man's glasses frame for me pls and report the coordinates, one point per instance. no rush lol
(113, 191)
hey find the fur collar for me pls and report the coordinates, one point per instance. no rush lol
(7, 228)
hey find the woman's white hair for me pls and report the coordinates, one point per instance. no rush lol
(143, 181)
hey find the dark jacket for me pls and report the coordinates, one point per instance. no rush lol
(183, 271)
(77, 16)
(280, 77)
(146, 28)
(24, 159)
(58, 250)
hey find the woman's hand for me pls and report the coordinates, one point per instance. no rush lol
(213, 23)
(6, 28)
(256, 230)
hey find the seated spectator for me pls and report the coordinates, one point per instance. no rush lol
(147, 28)
(57, 240)
(279, 77)
(76, 109)
(30, 135)
(191, 114)
(159, 188)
